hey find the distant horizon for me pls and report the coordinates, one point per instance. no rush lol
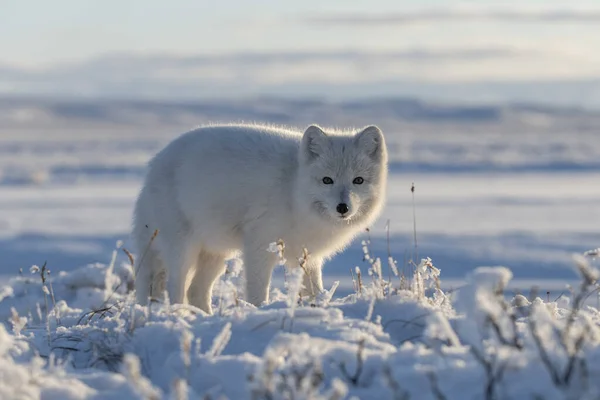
(582, 93)
(307, 97)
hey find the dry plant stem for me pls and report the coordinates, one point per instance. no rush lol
(416, 255)
(591, 292)
(404, 262)
(359, 365)
(514, 340)
(131, 259)
(494, 375)
(359, 278)
(544, 355)
(397, 392)
(573, 358)
(91, 314)
(281, 254)
(43, 277)
(560, 380)
(54, 303)
(146, 251)
(303, 262)
(353, 281)
(578, 301)
(407, 322)
(389, 254)
(129, 256)
(435, 388)
(387, 234)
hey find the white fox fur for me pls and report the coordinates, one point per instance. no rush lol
(220, 189)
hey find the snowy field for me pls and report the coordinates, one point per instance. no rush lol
(513, 186)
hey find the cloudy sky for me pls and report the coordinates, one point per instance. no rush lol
(186, 47)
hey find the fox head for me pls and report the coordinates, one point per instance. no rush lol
(343, 176)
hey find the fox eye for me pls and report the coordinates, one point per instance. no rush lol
(328, 181)
(358, 180)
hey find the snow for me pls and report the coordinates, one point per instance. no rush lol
(500, 206)
(414, 342)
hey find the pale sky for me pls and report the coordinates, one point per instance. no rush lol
(34, 32)
(89, 47)
(40, 33)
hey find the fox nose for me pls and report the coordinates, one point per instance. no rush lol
(342, 208)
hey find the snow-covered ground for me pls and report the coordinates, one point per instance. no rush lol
(512, 185)
(515, 186)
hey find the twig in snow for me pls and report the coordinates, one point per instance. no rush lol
(359, 365)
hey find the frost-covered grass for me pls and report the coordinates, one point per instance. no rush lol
(398, 336)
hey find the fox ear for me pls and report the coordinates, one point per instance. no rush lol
(313, 142)
(370, 140)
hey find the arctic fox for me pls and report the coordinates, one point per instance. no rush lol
(217, 190)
